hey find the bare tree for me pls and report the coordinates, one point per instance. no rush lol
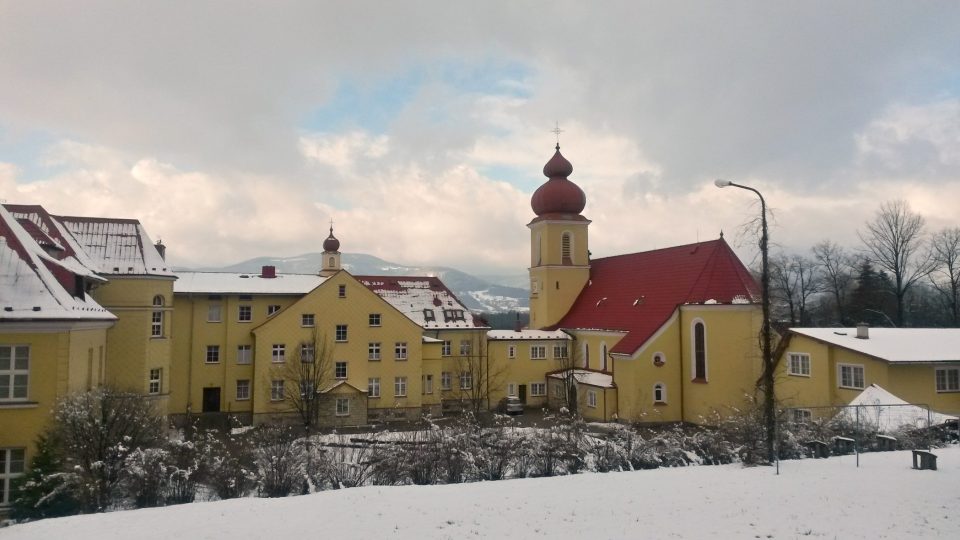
(793, 282)
(945, 247)
(569, 363)
(895, 242)
(478, 376)
(306, 375)
(835, 268)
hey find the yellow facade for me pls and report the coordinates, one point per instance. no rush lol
(523, 370)
(559, 267)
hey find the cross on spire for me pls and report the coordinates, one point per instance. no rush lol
(557, 131)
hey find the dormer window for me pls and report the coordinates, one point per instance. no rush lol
(428, 315)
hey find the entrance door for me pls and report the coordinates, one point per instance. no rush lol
(211, 399)
(522, 393)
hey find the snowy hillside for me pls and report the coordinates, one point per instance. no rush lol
(830, 498)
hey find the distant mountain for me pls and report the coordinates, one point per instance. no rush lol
(477, 294)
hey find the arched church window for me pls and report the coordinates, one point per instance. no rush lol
(659, 393)
(333, 262)
(699, 351)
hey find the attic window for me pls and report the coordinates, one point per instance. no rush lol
(428, 315)
(453, 315)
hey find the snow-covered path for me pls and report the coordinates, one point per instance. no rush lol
(831, 498)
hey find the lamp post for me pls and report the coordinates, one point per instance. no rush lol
(769, 401)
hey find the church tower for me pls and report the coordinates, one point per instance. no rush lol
(331, 255)
(559, 259)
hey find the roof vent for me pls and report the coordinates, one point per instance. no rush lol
(8, 308)
(863, 331)
(268, 272)
(36, 308)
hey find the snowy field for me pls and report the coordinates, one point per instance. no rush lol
(829, 498)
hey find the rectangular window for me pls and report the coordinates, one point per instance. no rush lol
(801, 416)
(341, 291)
(538, 352)
(446, 380)
(340, 370)
(538, 389)
(511, 389)
(276, 390)
(374, 319)
(466, 380)
(948, 379)
(851, 376)
(244, 354)
(154, 382)
(799, 364)
(244, 313)
(465, 347)
(272, 308)
(156, 324)
(400, 350)
(213, 354)
(279, 353)
(592, 399)
(559, 352)
(343, 406)
(306, 352)
(306, 320)
(373, 351)
(445, 351)
(213, 313)
(243, 389)
(428, 315)
(12, 466)
(427, 383)
(511, 351)
(14, 372)
(341, 333)
(373, 387)
(400, 386)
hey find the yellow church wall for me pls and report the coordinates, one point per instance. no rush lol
(554, 285)
(636, 376)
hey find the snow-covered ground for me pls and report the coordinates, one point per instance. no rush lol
(831, 498)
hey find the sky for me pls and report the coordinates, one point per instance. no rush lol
(235, 130)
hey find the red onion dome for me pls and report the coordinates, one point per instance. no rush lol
(331, 243)
(558, 195)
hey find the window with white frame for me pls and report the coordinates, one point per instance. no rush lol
(213, 313)
(948, 379)
(538, 352)
(445, 350)
(307, 352)
(659, 359)
(343, 406)
(446, 380)
(592, 399)
(465, 347)
(373, 351)
(851, 376)
(213, 354)
(466, 380)
(400, 350)
(799, 364)
(14, 372)
(307, 320)
(374, 319)
(153, 383)
(560, 352)
(12, 465)
(156, 318)
(278, 354)
(659, 393)
(400, 386)
(244, 354)
(243, 389)
(341, 333)
(276, 390)
(341, 291)
(512, 389)
(427, 383)
(428, 315)
(272, 308)
(340, 370)
(511, 351)
(244, 313)
(801, 416)
(373, 387)
(538, 389)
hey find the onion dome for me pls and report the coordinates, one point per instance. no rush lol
(331, 243)
(558, 195)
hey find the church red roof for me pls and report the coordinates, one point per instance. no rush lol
(638, 292)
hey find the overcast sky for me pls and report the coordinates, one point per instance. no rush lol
(239, 129)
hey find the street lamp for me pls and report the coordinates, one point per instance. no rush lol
(769, 403)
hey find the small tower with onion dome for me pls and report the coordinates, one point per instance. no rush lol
(331, 255)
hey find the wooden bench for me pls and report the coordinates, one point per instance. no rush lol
(885, 443)
(927, 460)
(818, 449)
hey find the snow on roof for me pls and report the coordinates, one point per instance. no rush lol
(527, 334)
(592, 378)
(888, 412)
(115, 246)
(32, 282)
(424, 300)
(638, 292)
(895, 345)
(244, 283)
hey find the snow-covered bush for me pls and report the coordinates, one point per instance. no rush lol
(279, 460)
(45, 490)
(227, 463)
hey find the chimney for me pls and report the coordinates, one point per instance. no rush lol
(863, 331)
(161, 249)
(268, 272)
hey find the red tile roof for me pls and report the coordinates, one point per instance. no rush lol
(638, 292)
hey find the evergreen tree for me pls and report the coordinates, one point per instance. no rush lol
(45, 491)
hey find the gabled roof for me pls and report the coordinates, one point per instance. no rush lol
(888, 412)
(114, 246)
(637, 293)
(417, 297)
(895, 345)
